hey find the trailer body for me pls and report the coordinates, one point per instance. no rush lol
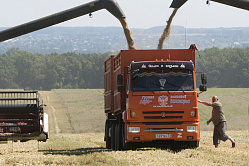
(151, 97)
(22, 117)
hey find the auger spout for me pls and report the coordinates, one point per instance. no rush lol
(110, 5)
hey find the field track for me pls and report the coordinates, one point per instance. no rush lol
(67, 147)
(57, 113)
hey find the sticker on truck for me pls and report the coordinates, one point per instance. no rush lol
(163, 135)
(146, 100)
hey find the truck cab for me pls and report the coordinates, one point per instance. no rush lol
(162, 102)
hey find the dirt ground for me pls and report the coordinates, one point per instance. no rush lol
(89, 149)
(65, 147)
(59, 120)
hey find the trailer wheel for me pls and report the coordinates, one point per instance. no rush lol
(107, 135)
(113, 136)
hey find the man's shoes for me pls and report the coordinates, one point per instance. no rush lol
(233, 144)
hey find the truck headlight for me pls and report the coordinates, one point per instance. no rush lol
(192, 128)
(133, 129)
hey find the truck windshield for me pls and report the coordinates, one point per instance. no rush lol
(162, 80)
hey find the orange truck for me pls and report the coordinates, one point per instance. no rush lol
(151, 99)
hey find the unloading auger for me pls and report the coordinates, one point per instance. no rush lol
(242, 4)
(110, 5)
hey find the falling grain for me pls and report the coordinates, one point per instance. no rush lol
(166, 31)
(128, 36)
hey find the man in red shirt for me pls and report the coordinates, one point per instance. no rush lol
(219, 121)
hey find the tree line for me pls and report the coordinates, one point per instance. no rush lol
(25, 70)
(226, 68)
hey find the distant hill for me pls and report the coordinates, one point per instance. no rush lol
(106, 39)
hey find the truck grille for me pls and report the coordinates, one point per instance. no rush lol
(162, 114)
(162, 123)
(159, 117)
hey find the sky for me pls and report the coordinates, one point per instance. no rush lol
(139, 13)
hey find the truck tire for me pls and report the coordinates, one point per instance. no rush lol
(119, 137)
(116, 137)
(113, 136)
(107, 136)
(128, 145)
(124, 145)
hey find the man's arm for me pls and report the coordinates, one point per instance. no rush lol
(205, 103)
(211, 119)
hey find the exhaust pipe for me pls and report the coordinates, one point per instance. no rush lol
(242, 4)
(110, 5)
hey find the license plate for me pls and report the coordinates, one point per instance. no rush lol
(163, 135)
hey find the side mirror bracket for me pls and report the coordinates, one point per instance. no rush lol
(204, 78)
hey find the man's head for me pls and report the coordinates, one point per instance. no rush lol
(214, 99)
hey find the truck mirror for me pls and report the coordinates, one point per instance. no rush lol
(202, 88)
(121, 88)
(204, 78)
(120, 79)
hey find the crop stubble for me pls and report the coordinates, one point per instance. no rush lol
(89, 148)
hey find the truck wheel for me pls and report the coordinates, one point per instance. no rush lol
(113, 136)
(128, 145)
(124, 145)
(119, 137)
(107, 136)
(116, 137)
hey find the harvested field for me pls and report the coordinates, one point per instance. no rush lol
(86, 108)
(235, 103)
(72, 111)
(89, 149)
